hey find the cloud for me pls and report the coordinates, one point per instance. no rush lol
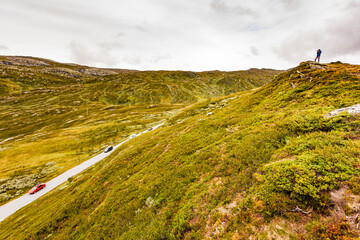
(291, 4)
(337, 38)
(79, 18)
(142, 26)
(220, 6)
(161, 58)
(65, 10)
(120, 34)
(80, 53)
(343, 37)
(254, 50)
(140, 33)
(114, 44)
(4, 48)
(100, 55)
(132, 60)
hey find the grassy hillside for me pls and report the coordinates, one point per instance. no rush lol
(53, 116)
(264, 164)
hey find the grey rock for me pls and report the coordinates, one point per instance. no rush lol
(353, 110)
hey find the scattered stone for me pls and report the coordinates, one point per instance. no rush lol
(301, 74)
(23, 61)
(63, 72)
(6, 63)
(314, 65)
(48, 170)
(209, 113)
(18, 192)
(49, 164)
(5, 196)
(150, 202)
(96, 71)
(19, 183)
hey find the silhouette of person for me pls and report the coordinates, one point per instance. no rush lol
(318, 53)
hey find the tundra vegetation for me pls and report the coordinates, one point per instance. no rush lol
(266, 164)
(54, 116)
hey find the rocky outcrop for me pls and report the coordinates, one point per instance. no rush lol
(96, 71)
(314, 65)
(23, 61)
(353, 110)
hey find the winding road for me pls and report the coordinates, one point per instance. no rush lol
(11, 207)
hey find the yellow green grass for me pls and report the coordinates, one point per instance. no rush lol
(240, 172)
(53, 116)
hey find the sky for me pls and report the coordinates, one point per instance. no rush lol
(195, 35)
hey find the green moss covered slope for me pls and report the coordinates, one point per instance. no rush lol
(53, 116)
(264, 163)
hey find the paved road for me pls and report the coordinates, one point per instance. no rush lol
(11, 207)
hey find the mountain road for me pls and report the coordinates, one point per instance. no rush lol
(11, 207)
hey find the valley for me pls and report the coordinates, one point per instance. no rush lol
(259, 161)
(54, 116)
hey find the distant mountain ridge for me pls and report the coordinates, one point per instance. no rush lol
(68, 112)
(261, 164)
(266, 163)
(124, 86)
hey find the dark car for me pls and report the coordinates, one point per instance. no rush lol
(108, 149)
(37, 187)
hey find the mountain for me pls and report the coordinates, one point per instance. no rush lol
(267, 163)
(54, 116)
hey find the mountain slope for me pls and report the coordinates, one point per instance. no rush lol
(265, 163)
(53, 116)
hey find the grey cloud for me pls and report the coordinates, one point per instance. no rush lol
(343, 37)
(132, 60)
(220, 6)
(353, 4)
(120, 34)
(142, 26)
(254, 50)
(161, 58)
(62, 10)
(290, 3)
(3, 48)
(287, 4)
(253, 28)
(115, 43)
(68, 11)
(338, 38)
(296, 47)
(142, 32)
(82, 54)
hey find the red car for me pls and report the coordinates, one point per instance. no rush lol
(37, 188)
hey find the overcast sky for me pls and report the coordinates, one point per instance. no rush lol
(182, 34)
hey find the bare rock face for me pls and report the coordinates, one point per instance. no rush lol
(353, 110)
(23, 61)
(96, 71)
(314, 65)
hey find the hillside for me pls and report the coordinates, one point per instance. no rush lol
(265, 164)
(54, 116)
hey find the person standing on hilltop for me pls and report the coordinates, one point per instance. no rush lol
(318, 53)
